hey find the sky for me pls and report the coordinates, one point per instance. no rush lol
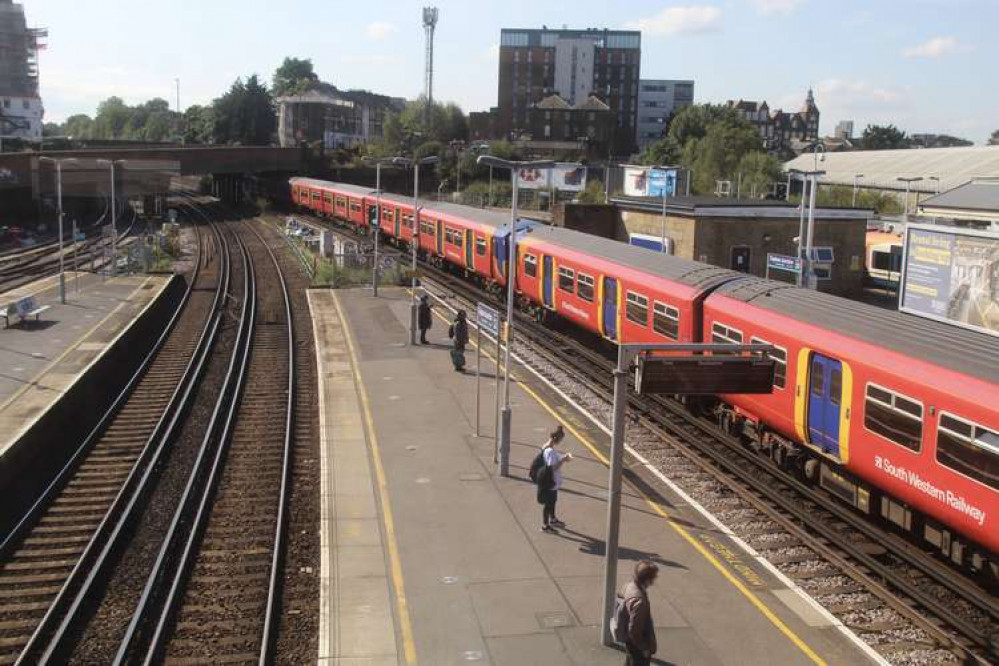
(920, 64)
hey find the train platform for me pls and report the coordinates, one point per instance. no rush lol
(430, 557)
(40, 360)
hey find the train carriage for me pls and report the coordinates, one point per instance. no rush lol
(908, 407)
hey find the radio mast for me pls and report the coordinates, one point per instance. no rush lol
(429, 25)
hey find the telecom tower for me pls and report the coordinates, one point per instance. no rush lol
(429, 25)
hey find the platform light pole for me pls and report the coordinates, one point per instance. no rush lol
(908, 184)
(807, 268)
(114, 216)
(856, 186)
(378, 213)
(664, 170)
(62, 261)
(936, 180)
(506, 417)
(415, 238)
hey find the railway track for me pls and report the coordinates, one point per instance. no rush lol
(956, 616)
(45, 558)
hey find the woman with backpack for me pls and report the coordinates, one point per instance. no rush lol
(546, 471)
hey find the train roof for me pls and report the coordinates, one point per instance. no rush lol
(684, 271)
(962, 350)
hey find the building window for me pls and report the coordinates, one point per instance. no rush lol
(666, 320)
(637, 309)
(779, 356)
(531, 266)
(584, 287)
(567, 280)
(969, 449)
(893, 416)
(725, 335)
(481, 247)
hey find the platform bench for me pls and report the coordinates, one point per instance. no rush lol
(23, 309)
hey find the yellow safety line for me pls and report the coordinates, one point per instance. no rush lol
(687, 536)
(409, 647)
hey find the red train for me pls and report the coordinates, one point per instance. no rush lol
(895, 415)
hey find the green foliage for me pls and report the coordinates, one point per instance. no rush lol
(151, 121)
(691, 122)
(884, 137)
(51, 129)
(199, 124)
(245, 114)
(759, 172)
(841, 196)
(593, 194)
(717, 155)
(80, 126)
(295, 75)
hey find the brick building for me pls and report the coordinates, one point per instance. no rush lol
(782, 132)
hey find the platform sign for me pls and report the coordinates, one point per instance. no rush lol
(783, 262)
(704, 375)
(488, 319)
(951, 275)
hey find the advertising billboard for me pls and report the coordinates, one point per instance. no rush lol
(646, 182)
(533, 179)
(636, 181)
(952, 275)
(569, 177)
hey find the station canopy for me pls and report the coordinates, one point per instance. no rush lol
(881, 169)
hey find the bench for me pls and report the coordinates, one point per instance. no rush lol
(23, 309)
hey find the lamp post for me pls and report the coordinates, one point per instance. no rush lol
(378, 213)
(856, 185)
(663, 170)
(511, 278)
(62, 264)
(936, 187)
(114, 217)
(795, 173)
(415, 239)
(807, 267)
(908, 183)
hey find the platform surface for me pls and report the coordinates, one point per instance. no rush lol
(39, 361)
(430, 557)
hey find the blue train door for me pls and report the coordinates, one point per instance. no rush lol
(610, 308)
(440, 238)
(469, 249)
(825, 399)
(548, 281)
(398, 223)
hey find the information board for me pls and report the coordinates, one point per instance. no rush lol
(952, 275)
(488, 319)
(783, 262)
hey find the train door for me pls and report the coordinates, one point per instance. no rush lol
(825, 402)
(398, 223)
(609, 311)
(469, 249)
(548, 282)
(440, 237)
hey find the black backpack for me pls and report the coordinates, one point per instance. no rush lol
(537, 465)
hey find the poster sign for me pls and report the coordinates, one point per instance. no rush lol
(532, 179)
(569, 177)
(636, 182)
(661, 183)
(488, 319)
(952, 275)
(783, 262)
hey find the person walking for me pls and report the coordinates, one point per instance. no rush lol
(459, 335)
(641, 641)
(550, 479)
(425, 318)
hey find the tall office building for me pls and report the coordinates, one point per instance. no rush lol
(21, 108)
(575, 65)
(658, 99)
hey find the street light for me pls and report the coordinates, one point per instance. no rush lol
(908, 183)
(511, 278)
(856, 181)
(62, 265)
(114, 217)
(935, 179)
(663, 170)
(415, 239)
(378, 212)
(807, 268)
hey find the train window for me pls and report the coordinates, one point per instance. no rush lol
(315, 196)
(722, 334)
(881, 260)
(779, 356)
(388, 215)
(355, 206)
(530, 266)
(340, 202)
(818, 380)
(969, 449)
(481, 247)
(836, 386)
(584, 287)
(328, 198)
(567, 280)
(637, 309)
(666, 320)
(894, 417)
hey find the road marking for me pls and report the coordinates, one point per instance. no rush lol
(409, 646)
(561, 418)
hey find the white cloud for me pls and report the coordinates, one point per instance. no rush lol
(372, 59)
(681, 20)
(934, 48)
(380, 30)
(767, 7)
(841, 91)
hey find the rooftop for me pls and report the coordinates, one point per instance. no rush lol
(708, 206)
(978, 197)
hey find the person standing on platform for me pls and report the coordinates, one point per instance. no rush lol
(425, 318)
(550, 479)
(641, 642)
(459, 335)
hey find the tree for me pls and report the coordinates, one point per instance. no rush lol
(51, 129)
(994, 139)
(717, 155)
(245, 114)
(79, 126)
(293, 76)
(688, 123)
(112, 118)
(759, 172)
(199, 124)
(884, 137)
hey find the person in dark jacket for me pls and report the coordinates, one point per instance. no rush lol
(459, 336)
(425, 318)
(641, 642)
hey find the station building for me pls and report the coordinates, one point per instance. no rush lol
(337, 118)
(734, 233)
(21, 110)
